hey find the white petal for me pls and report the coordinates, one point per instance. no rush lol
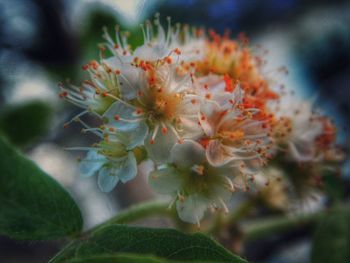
(127, 169)
(165, 181)
(192, 209)
(91, 164)
(159, 151)
(208, 109)
(187, 154)
(129, 78)
(302, 152)
(107, 179)
(133, 138)
(151, 52)
(216, 154)
(123, 111)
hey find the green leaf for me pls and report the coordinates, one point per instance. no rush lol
(23, 123)
(32, 204)
(334, 186)
(331, 241)
(126, 258)
(164, 243)
(118, 259)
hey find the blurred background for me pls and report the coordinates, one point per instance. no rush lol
(43, 42)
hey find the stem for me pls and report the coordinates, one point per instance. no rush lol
(265, 227)
(138, 211)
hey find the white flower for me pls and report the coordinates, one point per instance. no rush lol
(232, 134)
(97, 93)
(298, 127)
(274, 187)
(194, 184)
(164, 106)
(112, 162)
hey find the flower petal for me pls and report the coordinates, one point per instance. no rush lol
(107, 178)
(159, 149)
(165, 181)
(133, 138)
(129, 75)
(216, 154)
(187, 154)
(153, 52)
(91, 163)
(123, 111)
(192, 209)
(127, 169)
(207, 117)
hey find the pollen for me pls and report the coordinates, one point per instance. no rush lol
(164, 130)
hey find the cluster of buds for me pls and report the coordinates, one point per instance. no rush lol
(197, 104)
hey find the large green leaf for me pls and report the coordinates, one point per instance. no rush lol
(125, 258)
(331, 242)
(25, 122)
(164, 243)
(32, 204)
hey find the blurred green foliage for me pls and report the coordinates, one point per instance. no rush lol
(23, 123)
(331, 241)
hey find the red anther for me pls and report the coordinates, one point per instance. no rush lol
(177, 51)
(151, 141)
(65, 125)
(192, 64)
(168, 60)
(193, 101)
(208, 96)
(204, 142)
(117, 72)
(227, 50)
(105, 94)
(117, 117)
(116, 46)
(180, 141)
(94, 64)
(223, 113)
(125, 52)
(203, 118)
(139, 93)
(111, 129)
(63, 94)
(205, 86)
(139, 111)
(228, 82)
(85, 67)
(152, 80)
(164, 130)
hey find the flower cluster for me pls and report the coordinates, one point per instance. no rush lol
(200, 106)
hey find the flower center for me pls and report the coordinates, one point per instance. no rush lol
(161, 105)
